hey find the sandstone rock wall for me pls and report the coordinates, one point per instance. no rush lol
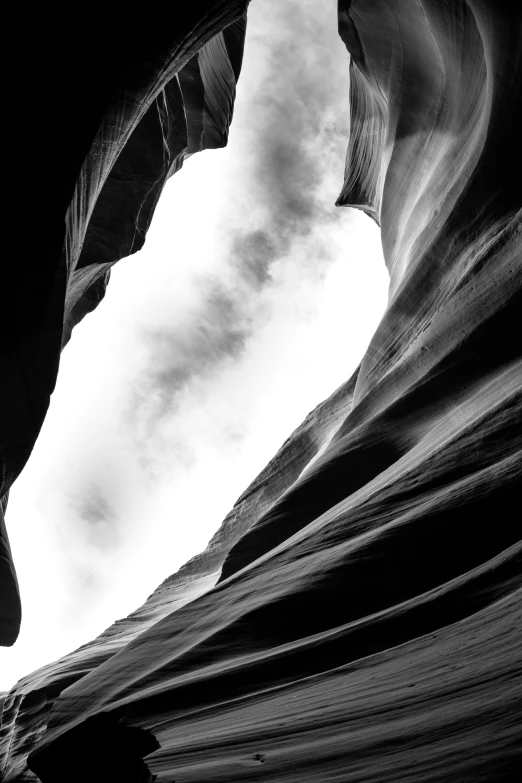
(28, 705)
(112, 103)
(366, 621)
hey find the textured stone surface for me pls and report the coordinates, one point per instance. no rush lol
(365, 621)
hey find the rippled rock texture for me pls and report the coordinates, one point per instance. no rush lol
(357, 617)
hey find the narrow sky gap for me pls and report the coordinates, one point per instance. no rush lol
(253, 299)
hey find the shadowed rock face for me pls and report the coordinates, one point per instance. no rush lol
(120, 105)
(357, 617)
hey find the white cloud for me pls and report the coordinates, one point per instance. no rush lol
(253, 299)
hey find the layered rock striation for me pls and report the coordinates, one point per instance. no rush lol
(28, 706)
(357, 617)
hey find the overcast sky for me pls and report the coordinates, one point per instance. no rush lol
(253, 299)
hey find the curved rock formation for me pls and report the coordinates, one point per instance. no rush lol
(366, 621)
(27, 707)
(154, 93)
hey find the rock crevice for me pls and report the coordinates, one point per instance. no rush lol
(366, 622)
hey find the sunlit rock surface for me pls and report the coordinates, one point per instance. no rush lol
(365, 624)
(125, 102)
(23, 724)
